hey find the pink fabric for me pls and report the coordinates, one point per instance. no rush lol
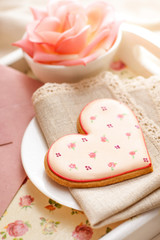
(16, 111)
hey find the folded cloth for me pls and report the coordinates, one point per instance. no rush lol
(57, 108)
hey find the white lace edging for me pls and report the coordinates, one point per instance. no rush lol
(55, 88)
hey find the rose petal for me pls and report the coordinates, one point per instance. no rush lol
(96, 13)
(26, 45)
(108, 19)
(49, 57)
(60, 9)
(38, 14)
(37, 29)
(113, 34)
(74, 30)
(49, 37)
(48, 24)
(63, 9)
(73, 45)
(61, 35)
(33, 36)
(95, 42)
(83, 61)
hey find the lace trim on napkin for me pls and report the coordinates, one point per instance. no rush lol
(55, 88)
(149, 127)
(119, 91)
(152, 85)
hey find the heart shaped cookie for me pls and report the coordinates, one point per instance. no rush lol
(110, 148)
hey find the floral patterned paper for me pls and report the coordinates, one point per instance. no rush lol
(32, 215)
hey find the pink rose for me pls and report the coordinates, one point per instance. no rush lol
(132, 153)
(82, 232)
(68, 33)
(128, 134)
(111, 164)
(17, 228)
(93, 117)
(72, 165)
(104, 139)
(92, 154)
(120, 116)
(26, 201)
(72, 145)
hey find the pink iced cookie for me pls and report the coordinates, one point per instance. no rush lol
(110, 148)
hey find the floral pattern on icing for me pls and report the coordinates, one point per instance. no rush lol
(117, 147)
(72, 145)
(88, 168)
(104, 108)
(128, 134)
(112, 165)
(92, 155)
(72, 166)
(92, 118)
(132, 153)
(121, 116)
(84, 140)
(58, 154)
(145, 159)
(109, 125)
(104, 143)
(104, 139)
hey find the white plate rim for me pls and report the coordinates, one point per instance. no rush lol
(33, 131)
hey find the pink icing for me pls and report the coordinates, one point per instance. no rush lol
(105, 152)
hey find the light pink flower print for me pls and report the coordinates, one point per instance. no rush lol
(132, 153)
(137, 126)
(48, 226)
(72, 145)
(82, 232)
(72, 166)
(121, 116)
(17, 228)
(104, 139)
(128, 134)
(145, 160)
(112, 165)
(92, 118)
(92, 155)
(26, 201)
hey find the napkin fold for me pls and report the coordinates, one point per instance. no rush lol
(57, 108)
(16, 111)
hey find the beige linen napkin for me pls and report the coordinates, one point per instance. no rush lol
(57, 108)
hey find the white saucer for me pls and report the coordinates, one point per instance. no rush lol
(33, 150)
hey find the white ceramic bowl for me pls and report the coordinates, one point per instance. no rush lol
(129, 37)
(58, 73)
